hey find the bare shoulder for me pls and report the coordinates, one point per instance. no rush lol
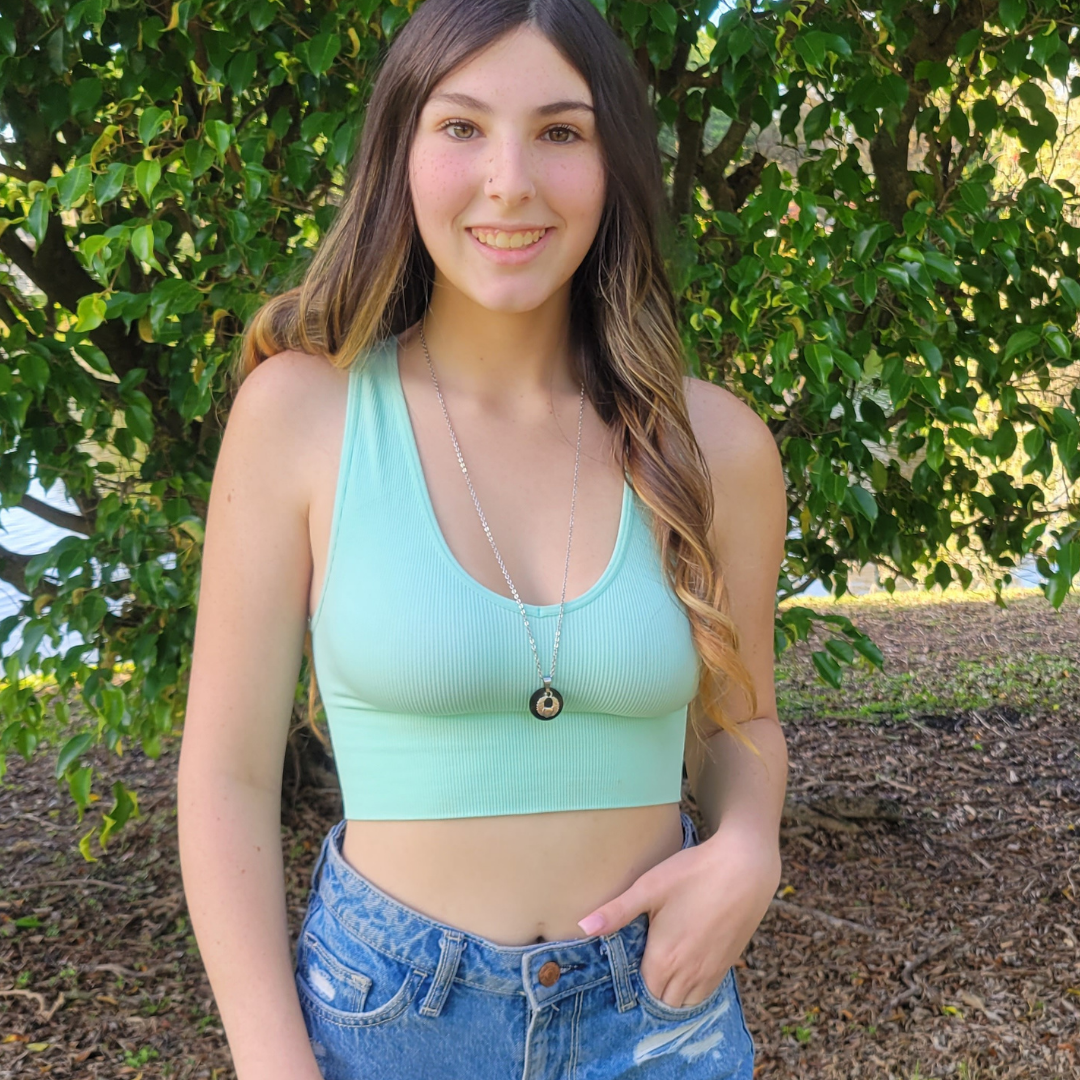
(289, 385)
(288, 412)
(731, 435)
(744, 464)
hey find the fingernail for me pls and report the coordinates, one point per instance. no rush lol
(592, 924)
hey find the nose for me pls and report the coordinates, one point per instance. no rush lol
(509, 172)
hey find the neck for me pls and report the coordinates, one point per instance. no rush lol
(497, 355)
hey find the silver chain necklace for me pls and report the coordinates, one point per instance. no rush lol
(546, 702)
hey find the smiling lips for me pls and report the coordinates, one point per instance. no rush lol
(496, 238)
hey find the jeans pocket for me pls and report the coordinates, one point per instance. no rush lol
(663, 1011)
(349, 983)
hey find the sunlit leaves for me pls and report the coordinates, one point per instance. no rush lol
(73, 186)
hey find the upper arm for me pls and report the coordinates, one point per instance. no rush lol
(749, 527)
(253, 593)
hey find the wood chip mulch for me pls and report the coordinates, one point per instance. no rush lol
(927, 924)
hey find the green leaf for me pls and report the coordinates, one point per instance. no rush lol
(1012, 13)
(37, 221)
(985, 114)
(139, 422)
(147, 175)
(125, 806)
(958, 124)
(198, 157)
(1057, 588)
(827, 668)
(841, 649)
(665, 17)
(896, 276)
(1070, 291)
(932, 355)
(820, 359)
(72, 749)
(633, 16)
(241, 71)
(142, 243)
(864, 502)
(935, 449)
(866, 286)
(110, 183)
(91, 313)
(84, 844)
(847, 364)
(935, 72)
(321, 51)
(868, 649)
(219, 135)
(79, 781)
(943, 268)
(863, 240)
(1058, 342)
(1021, 341)
(73, 186)
(34, 370)
(817, 121)
(151, 122)
(84, 94)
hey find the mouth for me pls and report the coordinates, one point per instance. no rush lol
(508, 241)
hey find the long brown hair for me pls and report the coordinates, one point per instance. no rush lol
(371, 276)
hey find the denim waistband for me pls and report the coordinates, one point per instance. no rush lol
(367, 913)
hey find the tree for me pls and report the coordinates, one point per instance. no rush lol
(848, 256)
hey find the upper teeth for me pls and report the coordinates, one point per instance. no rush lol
(508, 240)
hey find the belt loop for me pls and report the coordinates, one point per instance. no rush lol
(330, 838)
(690, 833)
(450, 947)
(620, 970)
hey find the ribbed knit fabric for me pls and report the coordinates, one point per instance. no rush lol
(426, 674)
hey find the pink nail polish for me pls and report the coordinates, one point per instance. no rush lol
(592, 924)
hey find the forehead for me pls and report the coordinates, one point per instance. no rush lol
(521, 71)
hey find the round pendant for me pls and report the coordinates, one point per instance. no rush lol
(545, 703)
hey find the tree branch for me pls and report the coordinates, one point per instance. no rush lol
(935, 39)
(63, 519)
(54, 269)
(13, 569)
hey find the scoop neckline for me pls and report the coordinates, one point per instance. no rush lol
(416, 470)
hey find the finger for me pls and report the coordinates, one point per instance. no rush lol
(616, 913)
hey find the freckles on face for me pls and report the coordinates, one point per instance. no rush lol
(442, 181)
(508, 141)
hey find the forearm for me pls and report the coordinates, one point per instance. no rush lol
(733, 785)
(230, 853)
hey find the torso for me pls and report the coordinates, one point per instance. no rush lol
(513, 879)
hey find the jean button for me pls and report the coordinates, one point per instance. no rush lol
(549, 973)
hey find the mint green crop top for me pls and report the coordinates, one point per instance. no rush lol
(425, 674)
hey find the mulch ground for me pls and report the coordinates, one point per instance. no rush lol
(926, 926)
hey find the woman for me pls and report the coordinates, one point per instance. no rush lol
(468, 422)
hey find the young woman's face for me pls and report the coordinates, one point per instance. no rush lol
(507, 175)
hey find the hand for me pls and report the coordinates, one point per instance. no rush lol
(704, 904)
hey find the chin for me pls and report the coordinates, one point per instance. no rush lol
(513, 304)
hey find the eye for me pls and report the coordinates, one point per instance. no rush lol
(563, 129)
(456, 124)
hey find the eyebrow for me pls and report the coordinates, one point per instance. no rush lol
(466, 101)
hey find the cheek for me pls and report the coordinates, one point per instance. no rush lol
(442, 185)
(577, 190)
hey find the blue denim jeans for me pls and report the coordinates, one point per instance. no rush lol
(388, 993)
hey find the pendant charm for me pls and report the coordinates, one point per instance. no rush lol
(546, 702)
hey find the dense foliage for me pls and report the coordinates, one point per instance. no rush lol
(855, 253)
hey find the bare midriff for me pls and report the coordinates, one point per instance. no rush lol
(514, 879)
